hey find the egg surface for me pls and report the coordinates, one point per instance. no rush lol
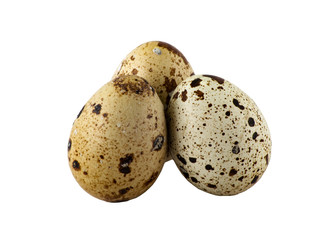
(117, 145)
(218, 137)
(160, 63)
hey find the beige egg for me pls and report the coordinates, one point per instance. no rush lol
(117, 146)
(218, 137)
(160, 63)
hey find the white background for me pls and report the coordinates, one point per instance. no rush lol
(54, 55)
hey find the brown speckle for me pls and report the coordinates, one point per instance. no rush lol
(196, 82)
(227, 113)
(85, 173)
(172, 71)
(199, 94)
(232, 172)
(172, 49)
(170, 85)
(150, 70)
(97, 109)
(218, 79)
(149, 116)
(76, 165)
(105, 114)
(267, 159)
(158, 143)
(134, 71)
(241, 178)
(132, 58)
(175, 96)
(184, 95)
(124, 164)
(101, 156)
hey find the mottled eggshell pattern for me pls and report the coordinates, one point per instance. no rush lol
(117, 146)
(160, 63)
(218, 137)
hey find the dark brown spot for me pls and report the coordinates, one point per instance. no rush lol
(184, 95)
(150, 69)
(241, 178)
(255, 135)
(194, 179)
(97, 109)
(151, 179)
(172, 49)
(232, 172)
(114, 181)
(224, 105)
(149, 116)
(172, 71)
(69, 146)
(209, 105)
(80, 112)
(267, 159)
(132, 58)
(158, 143)
(105, 114)
(180, 158)
(209, 167)
(101, 156)
(227, 113)
(251, 122)
(170, 85)
(184, 172)
(235, 149)
(254, 180)
(218, 79)
(219, 87)
(124, 190)
(192, 159)
(124, 164)
(199, 94)
(134, 71)
(85, 173)
(133, 84)
(236, 103)
(211, 185)
(175, 96)
(196, 82)
(76, 165)
(192, 74)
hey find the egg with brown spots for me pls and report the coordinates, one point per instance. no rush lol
(218, 137)
(160, 63)
(117, 146)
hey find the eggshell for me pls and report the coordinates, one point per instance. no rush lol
(218, 137)
(160, 63)
(117, 145)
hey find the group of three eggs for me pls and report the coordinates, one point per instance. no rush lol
(155, 109)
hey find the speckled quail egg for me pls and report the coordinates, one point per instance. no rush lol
(160, 63)
(117, 145)
(218, 137)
